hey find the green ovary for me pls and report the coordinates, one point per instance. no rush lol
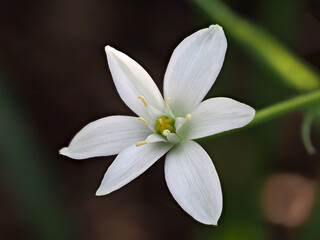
(165, 123)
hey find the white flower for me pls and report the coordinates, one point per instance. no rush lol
(167, 124)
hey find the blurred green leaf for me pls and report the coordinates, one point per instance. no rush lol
(22, 168)
(263, 46)
(305, 132)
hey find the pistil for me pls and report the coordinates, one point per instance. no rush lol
(165, 125)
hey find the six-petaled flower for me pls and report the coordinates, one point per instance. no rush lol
(167, 124)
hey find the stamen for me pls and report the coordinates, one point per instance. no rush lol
(138, 144)
(166, 102)
(188, 117)
(160, 121)
(143, 100)
(166, 132)
(143, 120)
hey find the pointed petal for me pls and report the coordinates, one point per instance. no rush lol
(194, 182)
(132, 80)
(152, 115)
(217, 115)
(154, 137)
(193, 68)
(179, 123)
(105, 137)
(129, 164)
(173, 138)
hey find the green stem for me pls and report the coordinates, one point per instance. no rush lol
(278, 110)
(285, 107)
(262, 46)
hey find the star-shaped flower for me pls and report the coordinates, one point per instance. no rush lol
(167, 124)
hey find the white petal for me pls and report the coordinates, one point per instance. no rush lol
(132, 80)
(217, 115)
(129, 164)
(194, 182)
(152, 115)
(173, 138)
(193, 68)
(106, 136)
(154, 137)
(179, 123)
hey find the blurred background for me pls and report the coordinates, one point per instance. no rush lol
(54, 80)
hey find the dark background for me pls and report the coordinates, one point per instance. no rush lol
(54, 80)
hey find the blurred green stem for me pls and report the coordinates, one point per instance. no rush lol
(279, 109)
(263, 46)
(285, 107)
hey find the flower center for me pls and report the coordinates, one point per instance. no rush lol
(165, 125)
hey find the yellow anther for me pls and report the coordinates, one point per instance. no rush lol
(160, 121)
(143, 120)
(166, 132)
(166, 102)
(143, 100)
(138, 144)
(188, 117)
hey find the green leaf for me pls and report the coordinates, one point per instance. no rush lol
(305, 132)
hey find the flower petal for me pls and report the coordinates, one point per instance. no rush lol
(193, 68)
(152, 115)
(216, 115)
(173, 138)
(194, 182)
(106, 136)
(154, 137)
(129, 164)
(131, 81)
(179, 123)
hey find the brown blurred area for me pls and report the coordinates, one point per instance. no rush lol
(52, 53)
